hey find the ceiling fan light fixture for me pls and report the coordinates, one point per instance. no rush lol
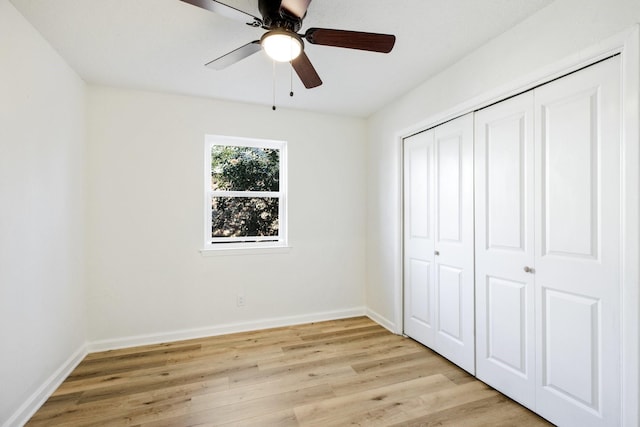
(282, 45)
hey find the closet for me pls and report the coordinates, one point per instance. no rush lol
(545, 246)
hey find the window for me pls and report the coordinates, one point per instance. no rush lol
(245, 193)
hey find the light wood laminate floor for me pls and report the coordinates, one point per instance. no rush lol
(337, 373)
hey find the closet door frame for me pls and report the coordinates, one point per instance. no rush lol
(627, 44)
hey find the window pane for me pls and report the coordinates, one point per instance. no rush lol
(244, 216)
(244, 168)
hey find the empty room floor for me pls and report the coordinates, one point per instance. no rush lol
(335, 373)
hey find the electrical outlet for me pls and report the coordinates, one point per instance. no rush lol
(240, 300)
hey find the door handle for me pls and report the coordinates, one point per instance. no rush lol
(437, 253)
(529, 270)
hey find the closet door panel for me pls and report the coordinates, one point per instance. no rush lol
(449, 181)
(571, 345)
(418, 238)
(505, 198)
(419, 275)
(454, 251)
(569, 160)
(450, 296)
(506, 337)
(504, 184)
(577, 249)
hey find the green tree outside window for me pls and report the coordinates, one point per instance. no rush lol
(244, 169)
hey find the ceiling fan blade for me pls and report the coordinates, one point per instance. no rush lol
(226, 11)
(305, 71)
(235, 55)
(297, 7)
(372, 42)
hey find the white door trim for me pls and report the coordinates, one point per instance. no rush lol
(627, 44)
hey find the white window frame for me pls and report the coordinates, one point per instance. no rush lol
(243, 243)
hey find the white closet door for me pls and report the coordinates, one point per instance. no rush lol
(504, 185)
(438, 240)
(454, 249)
(577, 249)
(418, 238)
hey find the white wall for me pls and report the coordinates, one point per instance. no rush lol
(42, 307)
(562, 29)
(147, 278)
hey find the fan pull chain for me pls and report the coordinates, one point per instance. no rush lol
(291, 78)
(274, 86)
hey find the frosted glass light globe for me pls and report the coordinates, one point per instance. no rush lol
(281, 46)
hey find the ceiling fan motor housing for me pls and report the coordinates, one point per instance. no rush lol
(275, 16)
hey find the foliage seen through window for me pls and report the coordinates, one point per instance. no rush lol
(244, 169)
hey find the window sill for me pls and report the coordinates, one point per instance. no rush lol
(246, 250)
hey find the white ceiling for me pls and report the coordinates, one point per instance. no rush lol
(161, 45)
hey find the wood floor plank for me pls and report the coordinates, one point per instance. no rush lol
(436, 401)
(244, 410)
(381, 348)
(341, 410)
(329, 340)
(493, 411)
(395, 362)
(286, 418)
(289, 383)
(317, 367)
(341, 372)
(342, 333)
(388, 376)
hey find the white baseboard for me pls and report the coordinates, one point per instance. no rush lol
(382, 321)
(230, 328)
(37, 399)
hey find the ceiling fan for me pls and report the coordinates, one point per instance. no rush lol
(283, 19)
